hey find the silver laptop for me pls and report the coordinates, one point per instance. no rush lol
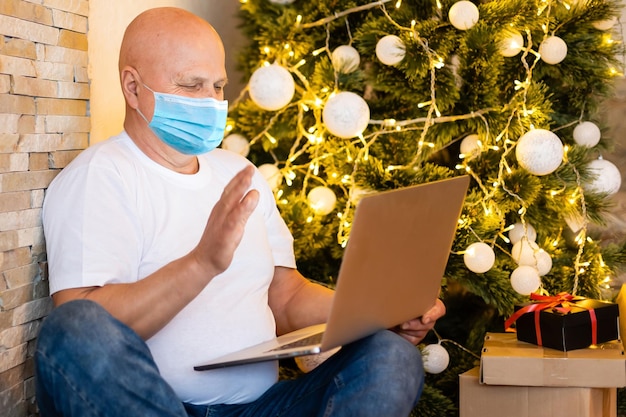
(391, 270)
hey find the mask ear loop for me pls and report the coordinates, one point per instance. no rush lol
(139, 111)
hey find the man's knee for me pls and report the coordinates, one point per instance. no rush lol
(396, 354)
(71, 322)
(82, 328)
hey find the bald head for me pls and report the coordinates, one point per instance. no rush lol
(154, 35)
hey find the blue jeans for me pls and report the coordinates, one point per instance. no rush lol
(87, 363)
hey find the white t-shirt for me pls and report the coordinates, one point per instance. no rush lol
(115, 216)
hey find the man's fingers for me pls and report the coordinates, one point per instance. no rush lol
(237, 187)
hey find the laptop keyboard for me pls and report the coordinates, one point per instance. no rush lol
(309, 340)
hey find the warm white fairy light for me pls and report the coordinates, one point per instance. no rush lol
(498, 141)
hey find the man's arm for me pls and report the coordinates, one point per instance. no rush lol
(297, 302)
(149, 304)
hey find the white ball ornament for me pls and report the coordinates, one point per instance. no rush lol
(390, 50)
(539, 151)
(575, 222)
(525, 279)
(470, 146)
(605, 24)
(607, 179)
(479, 257)
(272, 175)
(463, 15)
(346, 115)
(322, 200)
(544, 262)
(435, 358)
(587, 134)
(523, 252)
(553, 50)
(282, 2)
(271, 87)
(512, 44)
(345, 59)
(518, 231)
(236, 143)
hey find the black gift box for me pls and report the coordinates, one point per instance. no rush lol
(572, 329)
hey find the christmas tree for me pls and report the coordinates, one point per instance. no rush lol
(346, 98)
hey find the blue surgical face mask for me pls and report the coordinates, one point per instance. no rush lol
(190, 125)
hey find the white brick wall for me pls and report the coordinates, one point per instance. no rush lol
(44, 123)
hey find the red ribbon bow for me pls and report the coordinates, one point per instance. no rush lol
(560, 303)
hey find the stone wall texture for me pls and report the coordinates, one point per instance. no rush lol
(44, 123)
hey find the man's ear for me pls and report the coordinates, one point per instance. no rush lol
(129, 81)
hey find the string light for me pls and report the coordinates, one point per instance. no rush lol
(357, 151)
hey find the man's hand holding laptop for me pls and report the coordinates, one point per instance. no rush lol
(415, 330)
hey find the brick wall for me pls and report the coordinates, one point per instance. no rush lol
(44, 123)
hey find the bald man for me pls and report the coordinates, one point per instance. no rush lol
(165, 251)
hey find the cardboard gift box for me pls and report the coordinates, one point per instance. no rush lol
(565, 322)
(479, 400)
(508, 361)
